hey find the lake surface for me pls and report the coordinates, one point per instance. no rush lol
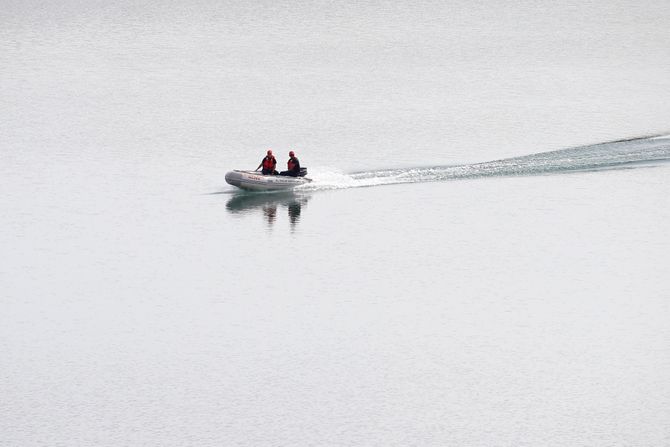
(482, 258)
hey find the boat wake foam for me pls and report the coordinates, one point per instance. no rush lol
(622, 154)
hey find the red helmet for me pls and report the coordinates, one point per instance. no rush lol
(291, 154)
(269, 151)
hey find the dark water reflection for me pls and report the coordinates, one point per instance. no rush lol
(269, 205)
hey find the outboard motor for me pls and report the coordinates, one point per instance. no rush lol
(303, 172)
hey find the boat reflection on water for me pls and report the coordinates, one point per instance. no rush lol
(269, 205)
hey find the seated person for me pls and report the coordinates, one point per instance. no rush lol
(293, 166)
(269, 163)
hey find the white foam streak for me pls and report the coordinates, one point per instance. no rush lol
(612, 155)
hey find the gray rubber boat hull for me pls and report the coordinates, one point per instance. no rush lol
(255, 181)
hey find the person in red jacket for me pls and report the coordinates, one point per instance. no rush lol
(293, 166)
(269, 163)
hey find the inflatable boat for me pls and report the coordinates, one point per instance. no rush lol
(255, 181)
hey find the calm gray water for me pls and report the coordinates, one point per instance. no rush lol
(481, 258)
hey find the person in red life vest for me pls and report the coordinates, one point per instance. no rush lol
(269, 163)
(293, 166)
